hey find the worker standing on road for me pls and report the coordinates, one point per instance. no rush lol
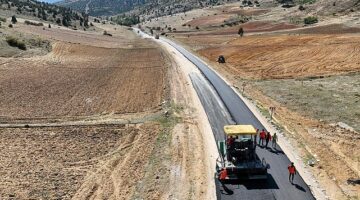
(292, 172)
(274, 140)
(262, 137)
(222, 176)
(267, 138)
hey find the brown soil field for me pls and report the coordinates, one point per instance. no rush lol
(214, 20)
(328, 29)
(250, 27)
(246, 12)
(78, 80)
(287, 56)
(121, 38)
(52, 163)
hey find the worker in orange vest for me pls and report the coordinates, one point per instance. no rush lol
(292, 172)
(262, 137)
(223, 175)
(267, 138)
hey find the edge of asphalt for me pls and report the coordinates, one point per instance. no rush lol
(206, 131)
(283, 142)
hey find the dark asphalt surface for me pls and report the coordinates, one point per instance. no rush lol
(218, 98)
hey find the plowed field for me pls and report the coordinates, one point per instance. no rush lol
(55, 163)
(79, 80)
(288, 56)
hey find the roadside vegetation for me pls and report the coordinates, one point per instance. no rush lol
(311, 20)
(16, 42)
(332, 99)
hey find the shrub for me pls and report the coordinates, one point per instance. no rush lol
(2, 19)
(15, 42)
(310, 20)
(10, 26)
(106, 33)
(33, 23)
(13, 19)
(241, 31)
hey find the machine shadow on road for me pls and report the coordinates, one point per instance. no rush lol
(270, 183)
(275, 151)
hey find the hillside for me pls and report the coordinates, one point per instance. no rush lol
(147, 7)
(43, 12)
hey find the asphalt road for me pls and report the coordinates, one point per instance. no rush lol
(223, 106)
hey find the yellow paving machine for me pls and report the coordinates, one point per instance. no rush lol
(238, 156)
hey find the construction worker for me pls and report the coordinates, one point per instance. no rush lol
(262, 137)
(223, 175)
(292, 172)
(274, 140)
(267, 138)
(230, 142)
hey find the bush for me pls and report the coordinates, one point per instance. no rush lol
(2, 19)
(11, 26)
(13, 19)
(15, 42)
(33, 23)
(106, 33)
(310, 20)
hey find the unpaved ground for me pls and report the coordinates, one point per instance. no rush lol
(51, 163)
(333, 99)
(81, 80)
(285, 56)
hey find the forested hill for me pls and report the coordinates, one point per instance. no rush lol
(147, 7)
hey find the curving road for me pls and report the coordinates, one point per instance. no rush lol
(223, 106)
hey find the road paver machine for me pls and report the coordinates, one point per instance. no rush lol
(238, 155)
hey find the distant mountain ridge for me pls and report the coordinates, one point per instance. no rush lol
(156, 8)
(149, 7)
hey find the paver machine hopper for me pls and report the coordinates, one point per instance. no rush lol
(238, 155)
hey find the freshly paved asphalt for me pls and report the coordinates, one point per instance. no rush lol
(223, 106)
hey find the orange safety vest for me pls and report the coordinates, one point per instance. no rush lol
(262, 135)
(291, 169)
(223, 174)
